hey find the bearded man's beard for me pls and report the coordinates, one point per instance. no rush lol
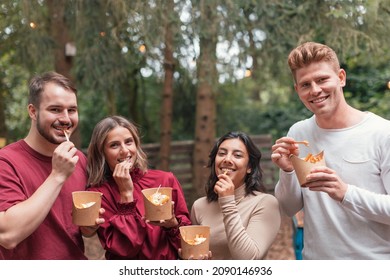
(46, 134)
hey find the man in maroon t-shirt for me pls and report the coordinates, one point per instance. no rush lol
(38, 175)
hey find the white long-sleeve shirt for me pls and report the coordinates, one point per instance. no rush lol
(359, 226)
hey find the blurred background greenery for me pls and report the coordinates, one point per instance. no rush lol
(125, 49)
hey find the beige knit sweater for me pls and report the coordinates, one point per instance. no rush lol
(241, 227)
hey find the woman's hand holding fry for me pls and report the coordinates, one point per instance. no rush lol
(123, 179)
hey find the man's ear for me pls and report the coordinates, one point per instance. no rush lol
(32, 112)
(342, 77)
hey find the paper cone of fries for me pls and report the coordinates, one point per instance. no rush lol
(194, 241)
(303, 166)
(158, 203)
(86, 206)
(3, 142)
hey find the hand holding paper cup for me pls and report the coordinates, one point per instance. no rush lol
(194, 241)
(158, 203)
(303, 166)
(86, 206)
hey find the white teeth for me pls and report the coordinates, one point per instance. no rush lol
(226, 170)
(123, 159)
(319, 100)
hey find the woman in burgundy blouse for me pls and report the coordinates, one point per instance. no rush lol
(117, 167)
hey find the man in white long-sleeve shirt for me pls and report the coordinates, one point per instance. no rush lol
(347, 202)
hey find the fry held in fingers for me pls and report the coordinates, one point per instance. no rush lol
(304, 142)
(67, 135)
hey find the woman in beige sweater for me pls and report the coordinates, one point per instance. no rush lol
(243, 219)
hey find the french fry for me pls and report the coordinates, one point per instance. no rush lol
(312, 158)
(304, 142)
(199, 238)
(307, 158)
(66, 135)
(88, 204)
(158, 198)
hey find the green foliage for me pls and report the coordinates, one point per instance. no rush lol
(109, 67)
(14, 88)
(24, 33)
(184, 107)
(367, 88)
(149, 108)
(273, 114)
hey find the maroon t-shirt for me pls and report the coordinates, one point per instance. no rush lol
(125, 235)
(22, 171)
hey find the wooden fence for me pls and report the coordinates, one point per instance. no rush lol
(181, 163)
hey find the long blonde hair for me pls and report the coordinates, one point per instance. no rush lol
(98, 169)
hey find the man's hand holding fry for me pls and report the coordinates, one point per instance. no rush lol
(281, 151)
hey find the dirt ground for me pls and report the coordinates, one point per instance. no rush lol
(281, 249)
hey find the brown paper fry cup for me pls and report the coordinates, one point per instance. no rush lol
(86, 206)
(3, 142)
(157, 212)
(303, 168)
(189, 233)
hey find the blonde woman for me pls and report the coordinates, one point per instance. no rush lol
(117, 167)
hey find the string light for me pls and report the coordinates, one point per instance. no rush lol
(102, 34)
(248, 73)
(33, 25)
(142, 48)
(388, 84)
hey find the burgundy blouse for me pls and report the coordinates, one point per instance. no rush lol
(125, 235)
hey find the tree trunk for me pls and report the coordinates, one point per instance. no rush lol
(253, 52)
(205, 97)
(132, 99)
(255, 66)
(111, 103)
(167, 94)
(59, 31)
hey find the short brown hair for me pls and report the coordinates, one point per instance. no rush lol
(37, 85)
(310, 52)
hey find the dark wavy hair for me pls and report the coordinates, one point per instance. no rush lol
(253, 180)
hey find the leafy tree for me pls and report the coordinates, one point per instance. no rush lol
(114, 76)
